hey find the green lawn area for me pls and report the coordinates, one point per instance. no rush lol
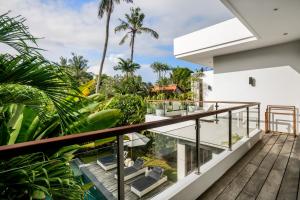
(170, 171)
(92, 158)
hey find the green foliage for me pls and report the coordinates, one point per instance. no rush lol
(99, 120)
(161, 69)
(134, 25)
(106, 7)
(35, 176)
(164, 81)
(127, 67)
(131, 85)
(132, 107)
(181, 76)
(36, 83)
(77, 67)
(15, 34)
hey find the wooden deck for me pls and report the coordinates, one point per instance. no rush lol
(106, 183)
(270, 170)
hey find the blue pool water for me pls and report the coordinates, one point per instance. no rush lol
(93, 193)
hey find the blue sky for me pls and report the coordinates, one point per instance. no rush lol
(73, 26)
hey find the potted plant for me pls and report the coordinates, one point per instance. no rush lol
(159, 110)
(191, 107)
(149, 108)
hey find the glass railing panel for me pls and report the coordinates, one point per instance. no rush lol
(61, 173)
(97, 164)
(164, 151)
(174, 108)
(253, 118)
(214, 130)
(239, 125)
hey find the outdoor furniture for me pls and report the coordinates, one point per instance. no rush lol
(109, 162)
(135, 170)
(149, 182)
(128, 162)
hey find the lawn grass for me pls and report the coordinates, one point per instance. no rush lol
(92, 158)
(170, 171)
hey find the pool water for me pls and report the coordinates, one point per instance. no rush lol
(93, 193)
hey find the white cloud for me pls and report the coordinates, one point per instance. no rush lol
(79, 30)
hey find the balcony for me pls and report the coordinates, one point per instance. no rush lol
(270, 170)
(175, 156)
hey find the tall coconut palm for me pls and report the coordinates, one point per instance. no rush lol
(127, 67)
(134, 25)
(106, 7)
(160, 69)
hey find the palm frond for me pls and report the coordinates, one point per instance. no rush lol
(106, 6)
(122, 27)
(103, 7)
(15, 34)
(123, 39)
(151, 31)
(40, 76)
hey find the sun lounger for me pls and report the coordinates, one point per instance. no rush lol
(135, 170)
(109, 162)
(148, 183)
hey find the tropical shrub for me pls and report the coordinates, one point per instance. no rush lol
(131, 85)
(40, 100)
(181, 76)
(132, 107)
(36, 176)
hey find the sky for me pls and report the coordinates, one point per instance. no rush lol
(66, 26)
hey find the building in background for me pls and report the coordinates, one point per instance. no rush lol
(255, 56)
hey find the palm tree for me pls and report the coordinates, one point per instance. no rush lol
(78, 66)
(160, 69)
(106, 7)
(31, 80)
(134, 25)
(28, 81)
(127, 67)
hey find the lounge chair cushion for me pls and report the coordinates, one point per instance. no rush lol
(138, 164)
(143, 183)
(129, 170)
(109, 160)
(156, 173)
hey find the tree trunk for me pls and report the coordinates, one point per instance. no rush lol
(104, 49)
(132, 47)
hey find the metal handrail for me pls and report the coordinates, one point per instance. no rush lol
(44, 144)
(57, 142)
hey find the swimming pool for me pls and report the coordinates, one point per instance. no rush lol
(93, 193)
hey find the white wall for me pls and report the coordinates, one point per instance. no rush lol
(275, 69)
(208, 79)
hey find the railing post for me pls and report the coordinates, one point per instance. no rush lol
(186, 108)
(197, 121)
(217, 106)
(258, 117)
(247, 122)
(164, 108)
(120, 167)
(230, 130)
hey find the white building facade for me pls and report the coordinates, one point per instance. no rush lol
(260, 46)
